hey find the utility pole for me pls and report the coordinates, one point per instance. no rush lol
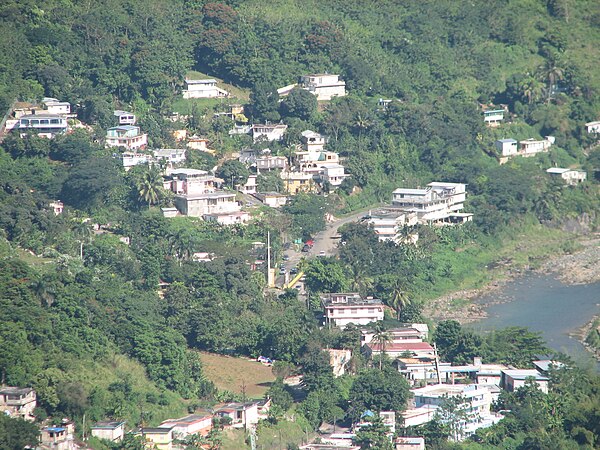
(437, 364)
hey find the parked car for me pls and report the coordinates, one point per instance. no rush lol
(286, 257)
(282, 270)
(322, 253)
(306, 249)
(293, 271)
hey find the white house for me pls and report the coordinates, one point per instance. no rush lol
(388, 225)
(249, 187)
(228, 218)
(532, 146)
(312, 141)
(324, 86)
(415, 332)
(477, 406)
(417, 350)
(170, 155)
(439, 202)
(54, 106)
(571, 176)
(242, 415)
(57, 206)
(125, 117)
(333, 174)
(342, 309)
(507, 147)
(127, 136)
(269, 162)
(269, 132)
(513, 379)
(206, 88)
(131, 159)
(272, 199)
(43, 124)
(112, 431)
(593, 127)
(493, 117)
(191, 424)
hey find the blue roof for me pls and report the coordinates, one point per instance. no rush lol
(507, 140)
(368, 413)
(56, 429)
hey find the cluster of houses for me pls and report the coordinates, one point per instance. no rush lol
(508, 148)
(168, 435)
(432, 380)
(311, 168)
(48, 120)
(438, 203)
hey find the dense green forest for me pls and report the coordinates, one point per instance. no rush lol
(85, 322)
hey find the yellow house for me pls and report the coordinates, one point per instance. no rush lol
(161, 438)
(296, 182)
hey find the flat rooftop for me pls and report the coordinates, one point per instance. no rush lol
(523, 374)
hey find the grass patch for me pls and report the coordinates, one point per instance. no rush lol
(232, 374)
(116, 368)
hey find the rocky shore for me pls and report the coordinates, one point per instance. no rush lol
(580, 267)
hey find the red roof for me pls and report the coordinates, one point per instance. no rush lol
(402, 347)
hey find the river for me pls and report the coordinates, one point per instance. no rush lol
(542, 303)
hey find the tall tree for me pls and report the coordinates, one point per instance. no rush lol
(149, 186)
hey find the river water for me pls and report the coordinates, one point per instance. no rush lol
(542, 303)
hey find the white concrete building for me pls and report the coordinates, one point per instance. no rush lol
(312, 141)
(415, 332)
(54, 106)
(332, 173)
(206, 88)
(272, 199)
(342, 309)
(269, 162)
(127, 136)
(112, 431)
(249, 187)
(439, 202)
(131, 159)
(324, 86)
(593, 127)
(192, 424)
(493, 117)
(171, 156)
(571, 176)
(532, 146)
(388, 226)
(125, 117)
(513, 379)
(269, 132)
(477, 406)
(507, 147)
(43, 124)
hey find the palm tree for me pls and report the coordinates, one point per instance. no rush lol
(84, 233)
(381, 338)
(398, 298)
(553, 74)
(149, 186)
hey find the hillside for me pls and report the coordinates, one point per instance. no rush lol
(105, 309)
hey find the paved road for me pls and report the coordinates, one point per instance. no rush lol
(324, 241)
